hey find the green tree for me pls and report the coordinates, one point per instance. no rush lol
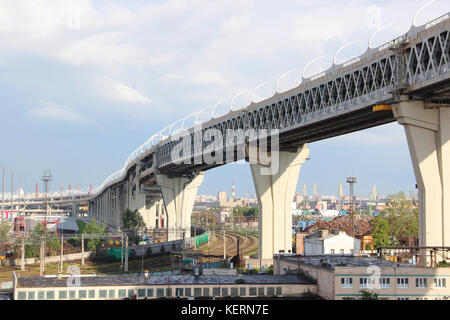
(5, 229)
(94, 230)
(369, 295)
(133, 223)
(54, 244)
(246, 211)
(251, 212)
(380, 232)
(37, 234)
(402, 216)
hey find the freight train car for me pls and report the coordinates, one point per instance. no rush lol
(146, 250)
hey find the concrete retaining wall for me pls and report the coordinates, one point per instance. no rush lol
(52, 259)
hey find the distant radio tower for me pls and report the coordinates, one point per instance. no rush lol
(46, 178)
(305, 196)
(352, 181)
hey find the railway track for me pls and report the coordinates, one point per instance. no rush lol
(248, 243)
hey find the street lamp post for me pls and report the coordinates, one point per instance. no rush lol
(3, 189)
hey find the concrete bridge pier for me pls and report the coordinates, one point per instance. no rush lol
(275, 194)
(428, 134)
(179, 195)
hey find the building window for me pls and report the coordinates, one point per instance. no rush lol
(216, 292)
(91, 294)
(346, 283)
(421, 282)
(234, 292)
(102, 294)
(260, 291)
(205, 292)
(439, 283)
(82, 294)
(187, 292)
(41, 295)
(279, 291)
(31, 295)
(149, 292)
(342, 251)
(363, 283)
(385, 282)
(112, 293)
(402, 282)
(50, 295)
(253, 291)
(179, 292)
(197, 292)
(332, 251)
(62, 294)
(242, 291)
(402, 298)
(169, 292)
(141, 293)
(122, 293)
(130, 292)
(160, 292)
(224, 292)
(22, 295)
(270, 291)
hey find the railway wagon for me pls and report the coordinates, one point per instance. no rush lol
(146, 250)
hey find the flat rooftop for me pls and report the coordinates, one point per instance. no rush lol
(138, 279)
(332, 261)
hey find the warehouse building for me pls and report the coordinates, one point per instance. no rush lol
(154, 287)
(344, 277)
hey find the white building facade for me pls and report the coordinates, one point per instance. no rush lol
(322, 242)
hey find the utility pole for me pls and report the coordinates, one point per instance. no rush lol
(195, 240)
(46, 178)
(42, 268)
(12, 189)
(121, 252)
(224, 245)
(22, 260)
(3, 189)
(82, 249)
(126, 253)
(61, 255)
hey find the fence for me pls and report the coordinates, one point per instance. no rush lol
(51, 259)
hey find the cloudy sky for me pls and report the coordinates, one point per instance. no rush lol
(83, 83)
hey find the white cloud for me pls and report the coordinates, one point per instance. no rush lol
(385, 135)
(118, 91)
(204, 78)
(51, 111)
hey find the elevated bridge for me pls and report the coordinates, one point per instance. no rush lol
(404, 80)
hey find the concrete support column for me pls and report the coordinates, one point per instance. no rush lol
(275, 195)
(179, 195)
(428, 134)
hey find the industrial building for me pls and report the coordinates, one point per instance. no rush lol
(344, 277)
(335, 242)
(154, 287)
